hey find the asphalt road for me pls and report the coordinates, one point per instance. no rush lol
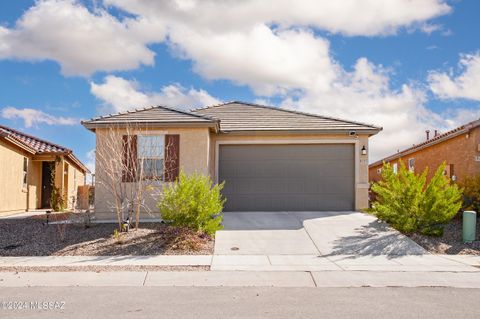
(223, 302)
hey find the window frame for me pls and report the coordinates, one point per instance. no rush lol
(25, 174)
(141, 159)
(411, 164)
(395, 168)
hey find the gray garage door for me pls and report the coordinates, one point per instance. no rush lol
(288, 177)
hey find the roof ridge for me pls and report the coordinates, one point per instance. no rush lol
(468, 125)
(33, 137)
(169, 108)
(291, 111)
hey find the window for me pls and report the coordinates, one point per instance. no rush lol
(25, 170)
(395, 168)
(379, 171)
(150, 156)
(411, 164)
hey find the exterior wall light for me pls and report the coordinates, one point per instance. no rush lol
(364, 150)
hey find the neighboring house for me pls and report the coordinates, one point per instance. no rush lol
(271, 159)
(458, 148)
(26, 174)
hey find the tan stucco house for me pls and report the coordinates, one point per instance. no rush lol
(26, 172)
(458, 148)
(271, 159)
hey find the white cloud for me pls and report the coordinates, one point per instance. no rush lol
(268, 61)
(81, 41)
(119, 94)
(84, 41)
(367, 17)
(90, 163)
(365, 95)
(465, 85)
(33, 117)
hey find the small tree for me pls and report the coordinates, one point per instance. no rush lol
(193, 201)
(409, 204)
(122, 171)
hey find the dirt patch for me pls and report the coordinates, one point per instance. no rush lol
(33, 237)
(451, 242)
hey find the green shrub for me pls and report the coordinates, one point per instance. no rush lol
(193, 201)
(471, 193)
(409, 204)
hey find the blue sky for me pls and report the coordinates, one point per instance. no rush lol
(404, 66)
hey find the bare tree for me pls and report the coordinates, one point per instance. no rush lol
(132, 166)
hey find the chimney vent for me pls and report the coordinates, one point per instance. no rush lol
(428, 134)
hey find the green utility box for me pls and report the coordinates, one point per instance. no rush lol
(469, 226)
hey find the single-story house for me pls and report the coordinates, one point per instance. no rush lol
(271, 159)
(459, 148)
(35, 166)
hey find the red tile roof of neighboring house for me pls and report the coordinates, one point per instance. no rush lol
(37, 146)
(435, 140)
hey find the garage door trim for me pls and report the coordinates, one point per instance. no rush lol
(292, 141)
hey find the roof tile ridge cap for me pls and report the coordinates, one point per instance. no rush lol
(212, 106)
(32, 137)
(185, 112)
(120, 113)
(306, 114)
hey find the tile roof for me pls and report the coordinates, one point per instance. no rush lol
(150, 115)
(435, 140)
(233, 116)
(240, 116)
(38, 146)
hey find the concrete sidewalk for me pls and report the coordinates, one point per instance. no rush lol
(72, 261)
(416, 263)
(242, 279)
(420, 263)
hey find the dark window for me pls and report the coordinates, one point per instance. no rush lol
(25, 171)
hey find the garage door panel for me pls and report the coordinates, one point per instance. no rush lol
(287, 177)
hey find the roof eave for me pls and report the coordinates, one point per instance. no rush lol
(369, 132)
(94, 125)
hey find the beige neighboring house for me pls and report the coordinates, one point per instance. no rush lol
(271, 159)
(26, 172)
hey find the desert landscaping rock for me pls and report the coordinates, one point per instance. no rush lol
(451, 242)
(32, 237)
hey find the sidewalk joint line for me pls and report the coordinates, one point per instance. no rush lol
(145, 279)
(313, 279)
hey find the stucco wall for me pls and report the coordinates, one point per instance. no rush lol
(13, 196)
(194, 147)
(459, 151)
(361, 187)
(75, 178)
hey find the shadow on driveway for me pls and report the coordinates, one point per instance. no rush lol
(375, 239)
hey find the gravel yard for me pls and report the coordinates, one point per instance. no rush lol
(451, 242)
(32, 237)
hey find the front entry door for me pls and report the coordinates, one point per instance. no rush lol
(46, 184)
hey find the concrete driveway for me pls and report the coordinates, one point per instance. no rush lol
(310, 233)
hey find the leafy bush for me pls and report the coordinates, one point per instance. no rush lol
(56, 200)
(471, 193)
(193, 201)
(409, 204)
